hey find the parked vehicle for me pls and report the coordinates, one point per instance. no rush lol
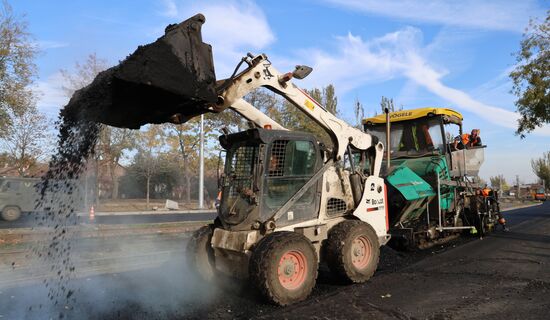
(540, 195)
(17, 195)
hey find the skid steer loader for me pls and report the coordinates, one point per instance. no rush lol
(288, 202)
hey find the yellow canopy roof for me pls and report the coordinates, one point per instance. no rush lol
(449, 115)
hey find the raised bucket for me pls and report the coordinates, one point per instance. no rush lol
(171, 78)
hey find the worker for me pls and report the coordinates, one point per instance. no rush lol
(467, 140)
(491, 198)
(275, 168)
(474, 139)
(218, 200)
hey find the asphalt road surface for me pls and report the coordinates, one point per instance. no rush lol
(503, 276)
(30, 220)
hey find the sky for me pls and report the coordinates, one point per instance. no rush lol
(454, 53)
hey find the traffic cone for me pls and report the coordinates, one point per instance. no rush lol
(92, 213)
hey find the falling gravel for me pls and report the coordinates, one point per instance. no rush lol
(59, 200)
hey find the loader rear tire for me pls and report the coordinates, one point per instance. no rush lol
(200, 255)
(284, 267)
(352, 251)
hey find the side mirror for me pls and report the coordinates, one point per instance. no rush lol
(301, 72)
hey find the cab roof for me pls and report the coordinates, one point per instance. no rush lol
(449, 115)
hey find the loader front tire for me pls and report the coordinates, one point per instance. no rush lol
(284, 267)
(352, 251)
(200, 255)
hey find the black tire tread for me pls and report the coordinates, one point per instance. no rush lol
(262, 257)
(194, 249)
(335, 250)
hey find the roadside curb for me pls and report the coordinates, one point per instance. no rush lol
(24, 235)
(151, 212)
(521, 207)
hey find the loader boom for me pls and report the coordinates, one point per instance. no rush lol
(260, 73)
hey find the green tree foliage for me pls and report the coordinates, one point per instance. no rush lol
(498, 182)
(17, 68)
(294, 119)
(531, 77)
(541, 168)
(283, 112)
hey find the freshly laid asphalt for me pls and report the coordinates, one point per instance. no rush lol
(503, 276)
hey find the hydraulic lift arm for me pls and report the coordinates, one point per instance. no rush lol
(251, 113)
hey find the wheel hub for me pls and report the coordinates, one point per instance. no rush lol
(11, 213)
(361, 250)
(292, 269)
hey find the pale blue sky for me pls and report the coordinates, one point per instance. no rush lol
(454, 53)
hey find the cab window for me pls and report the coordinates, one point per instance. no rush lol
(10, 186)
(290, 165)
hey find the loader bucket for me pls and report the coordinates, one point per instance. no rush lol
(171, 78)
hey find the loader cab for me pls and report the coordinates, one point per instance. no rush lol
(263, 170)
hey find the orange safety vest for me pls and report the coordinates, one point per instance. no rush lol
(465, 138)
(485, 192)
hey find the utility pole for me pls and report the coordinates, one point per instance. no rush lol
(500, 178)
(201, 164)
(518, 188)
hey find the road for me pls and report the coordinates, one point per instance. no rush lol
(505, 275)
(29, 220)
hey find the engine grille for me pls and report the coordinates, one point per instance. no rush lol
(336, 206)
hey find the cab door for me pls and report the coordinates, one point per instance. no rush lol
(289, 165)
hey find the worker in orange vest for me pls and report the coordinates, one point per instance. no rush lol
(467, 140)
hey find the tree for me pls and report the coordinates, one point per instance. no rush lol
(388, 103)
(148, 159)
(183, 140)
(17, 68)
(541, 168)
(110, 149)
(294, 119)
(498, 182)
(531, 77)
(112, 142)
(83, 73)
(27, 139)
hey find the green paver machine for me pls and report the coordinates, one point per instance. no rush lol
(431, 193)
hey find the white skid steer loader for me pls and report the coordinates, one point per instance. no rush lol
(288, 202)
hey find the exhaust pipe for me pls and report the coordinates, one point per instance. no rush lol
(169, 80)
